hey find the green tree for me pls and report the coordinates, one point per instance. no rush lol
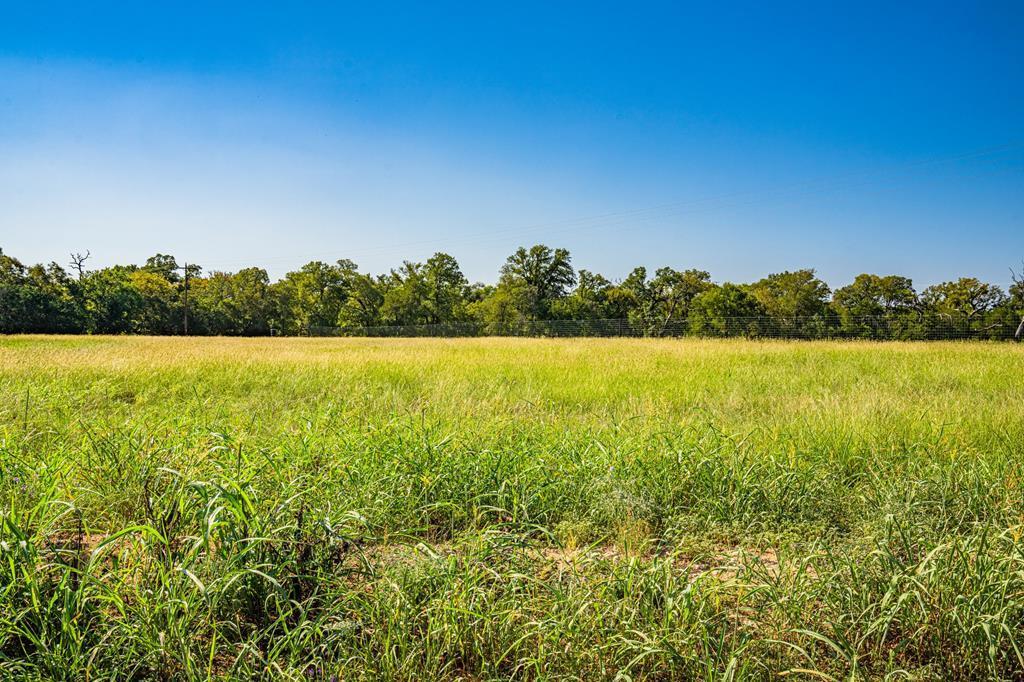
(111, 302)
(158, 310)
(314, 295)
(37, 299)
(967, 297)
(874, 295)
(965, 306)
(447, 289)
(406, 298)
(362, 307)
(236, 304)
(791, 294)
(210, 305)
(726, 310)
(588, 301)
(796, 302)
(503, 310)
(250, 302)
(654, 304)
(877, 307)
(164, 266)
(533, 279)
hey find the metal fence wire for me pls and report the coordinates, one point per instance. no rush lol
(906, 328)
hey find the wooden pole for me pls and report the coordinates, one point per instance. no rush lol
(186, 299)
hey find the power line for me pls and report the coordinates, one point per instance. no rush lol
(655, 212)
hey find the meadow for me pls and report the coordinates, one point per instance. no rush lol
(484, 509)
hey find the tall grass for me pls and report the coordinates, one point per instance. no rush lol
(507, 508)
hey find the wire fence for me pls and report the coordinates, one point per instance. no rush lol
(896, 328)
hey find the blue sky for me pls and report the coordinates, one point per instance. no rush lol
(742, 140)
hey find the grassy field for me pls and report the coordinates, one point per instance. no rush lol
(510, 508)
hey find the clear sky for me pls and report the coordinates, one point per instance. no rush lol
(880, 137)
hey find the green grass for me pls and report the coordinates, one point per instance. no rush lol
(510, 508)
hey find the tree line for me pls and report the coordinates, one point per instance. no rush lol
(536, 285)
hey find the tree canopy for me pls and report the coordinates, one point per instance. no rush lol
(537, 286)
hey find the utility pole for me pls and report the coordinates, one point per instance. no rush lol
(185, 295)
(186, 299)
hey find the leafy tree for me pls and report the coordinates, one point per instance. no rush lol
(635, 296)
(478, 303)
(362, 307)
(37, 298)
(163, 266)
(503, 311)
(792, 294)
(236, 304)
(164, 310)
(160, 264)
(877, 307)
(314, 295)
(796, 301)
(533, 279)
(53, 303)
(406, 296)
(430, 293)
(477, 292)
(1016, 290)
(210, 305)
(13, 304)
(726, 310)
(874, 295)
(447, 289)
(655, 303)
(968, 304)
(157, 310)
(1017, 294)
(967, 298)
(588, 301)
(111, 302)
(250, 302)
